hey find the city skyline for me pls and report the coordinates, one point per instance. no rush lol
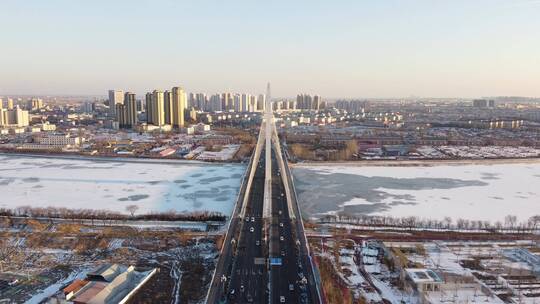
(306, 151)
(371, 50)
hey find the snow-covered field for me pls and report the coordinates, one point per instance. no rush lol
(112, 185)
(474, 192)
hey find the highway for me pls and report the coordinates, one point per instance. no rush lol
(310, 272)
(265, 256)
(286, 279)
(248, 283)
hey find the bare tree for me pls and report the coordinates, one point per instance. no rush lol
(534, 221)
(510, 221)
(132, 209)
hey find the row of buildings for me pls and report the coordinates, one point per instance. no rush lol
(308, 102)
(162, 108)
(170, 108)
(351, 106)
(31, 104)
(251, 103)
(227, 102)
(483, 103)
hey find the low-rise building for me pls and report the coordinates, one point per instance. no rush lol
(200, 127)
(46, 126)
(423, 280)
(59, 140)
(108, 283)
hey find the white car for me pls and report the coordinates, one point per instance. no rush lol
(251, 229)
(281, 238)
(280, 224)
(252, 219)
(281, 299)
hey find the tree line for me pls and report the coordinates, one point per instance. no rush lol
(510, 223)
(92, 214)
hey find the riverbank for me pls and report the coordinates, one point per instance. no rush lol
(419, 162)
(115, 159)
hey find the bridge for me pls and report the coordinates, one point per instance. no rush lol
(265, 256)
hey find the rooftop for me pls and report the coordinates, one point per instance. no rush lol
(423, 275)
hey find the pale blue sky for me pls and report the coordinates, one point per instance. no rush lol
(338, 48)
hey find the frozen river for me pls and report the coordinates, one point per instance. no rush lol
(475, 192)
(112, 185)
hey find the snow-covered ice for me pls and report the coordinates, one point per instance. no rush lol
(474, 192)
(112, 185)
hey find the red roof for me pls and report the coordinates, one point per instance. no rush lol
(87, 295)
(74, 286)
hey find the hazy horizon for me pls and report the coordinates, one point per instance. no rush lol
(140, 95)
(340, 49)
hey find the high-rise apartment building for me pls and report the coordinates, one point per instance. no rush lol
(126, 112)
(140, 105)
(115, 97)
(201, 101)
(87, 107)
(3, 118)
(21, 117)
(155, 112)
(317, 101)
(227, 102)
(148, 106)
(179, 100)
(277, 105)
(167, 107)
(192, 101)
(307, 102)
(215, 103)
(261, 103)
(292, 105)
(130, 108)
(300, 101)
(14, 117)
(158, 100)
(120, 115)
(480, 103)
(34, 104)
(244, 100)
(237, 104)
(252, 103)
